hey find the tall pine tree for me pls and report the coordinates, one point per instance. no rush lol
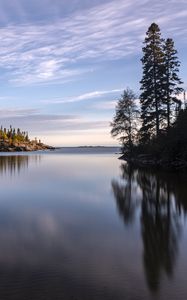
(172, 80)
(151, 97)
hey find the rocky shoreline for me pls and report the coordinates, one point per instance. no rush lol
(5, 146)
(148, 161)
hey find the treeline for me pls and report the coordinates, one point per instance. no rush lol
(158, 124)
(13, 135)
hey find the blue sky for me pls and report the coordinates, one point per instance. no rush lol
(64, 63)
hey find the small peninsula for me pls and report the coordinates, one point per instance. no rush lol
(15, 140)
(152, 126)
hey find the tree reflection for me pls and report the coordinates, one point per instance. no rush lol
(161, 206)
(123, 192)
(160, 227)
(12, 164)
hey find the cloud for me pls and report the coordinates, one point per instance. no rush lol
(35, 122)
(13, 113)
(33, 115)
(105, 105)
(22, 10)
(86, 96)
(33, 53)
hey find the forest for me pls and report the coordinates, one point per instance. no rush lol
(13, 140)
(13, 135)
(152, 127)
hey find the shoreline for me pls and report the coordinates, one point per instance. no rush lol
(146, 161)
(23, 147)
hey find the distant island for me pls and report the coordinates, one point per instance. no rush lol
(15, 140)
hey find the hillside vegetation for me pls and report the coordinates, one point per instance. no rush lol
(12, 139)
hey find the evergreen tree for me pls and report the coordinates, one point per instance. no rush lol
(151, 97)
(172, 81)
(124, 122)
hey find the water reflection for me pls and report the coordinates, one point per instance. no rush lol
(13, 164)
(124, 194)
(160, 204)
(60, 236)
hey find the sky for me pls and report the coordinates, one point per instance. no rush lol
(65, 63)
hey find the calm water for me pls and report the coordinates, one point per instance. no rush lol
(85, 226)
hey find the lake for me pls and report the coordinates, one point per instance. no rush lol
(79, 224)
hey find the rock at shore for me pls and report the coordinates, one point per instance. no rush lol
(147, 161)
(5, 146)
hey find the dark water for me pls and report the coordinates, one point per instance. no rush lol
(86, 226)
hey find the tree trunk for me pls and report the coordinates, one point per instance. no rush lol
(155, 94)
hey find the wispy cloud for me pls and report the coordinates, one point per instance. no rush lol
(86, 96)
(17, 112)
(37, 122)
(53, 52)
